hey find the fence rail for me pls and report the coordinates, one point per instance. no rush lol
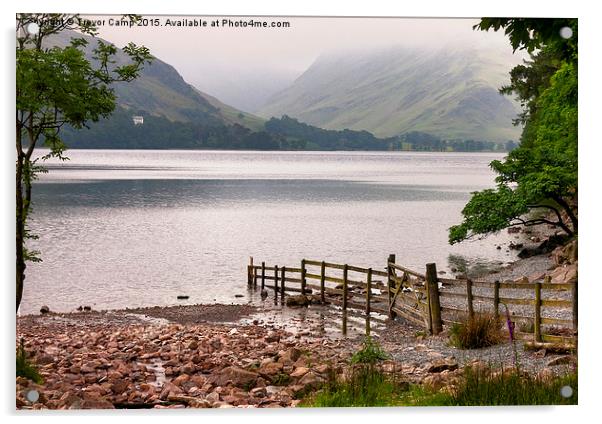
(418, 297)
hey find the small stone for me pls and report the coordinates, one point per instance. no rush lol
(181, 379)
(442, 365)
(213, 397)
(44, 309)
(119, 386)
(259, 392)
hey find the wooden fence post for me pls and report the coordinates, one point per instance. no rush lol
(283, 280)
(303, 271)
(469, 298)
(345, 272)
(574, 298)
(368, 295)
(250, 272)
(262, 275)
(537, 323)
(322, 280)
(390, 282)
(275, 280)
(434, 303)
(496, 298)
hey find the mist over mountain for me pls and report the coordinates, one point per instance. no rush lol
(161, 91)
(450, 92)
(244, 89)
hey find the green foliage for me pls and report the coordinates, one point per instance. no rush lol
(58, 86)
(531, 34)
(542, 172)
(370, 353)
(505, 387)
(25, 368)
(512, 388)
(482, 330)
(367, 386)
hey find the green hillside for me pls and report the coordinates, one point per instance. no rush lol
(161, 91)
(450, 93)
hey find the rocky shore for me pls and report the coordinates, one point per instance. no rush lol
(218, 356)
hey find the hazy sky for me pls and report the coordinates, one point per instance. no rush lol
(196, 49)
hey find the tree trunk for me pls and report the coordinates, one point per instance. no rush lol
(20, 230)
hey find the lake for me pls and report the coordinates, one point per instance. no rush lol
(129, 228)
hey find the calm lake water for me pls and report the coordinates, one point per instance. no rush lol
(134, 228)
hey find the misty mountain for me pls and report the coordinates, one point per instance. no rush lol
(247, 90)
(160, 91)
(451, 93)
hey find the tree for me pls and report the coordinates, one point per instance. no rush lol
(540, 174)
(57, 86)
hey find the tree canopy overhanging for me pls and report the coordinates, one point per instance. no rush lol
(57, 86)
(537, 182)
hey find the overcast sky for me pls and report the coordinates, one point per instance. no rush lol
(192, 50)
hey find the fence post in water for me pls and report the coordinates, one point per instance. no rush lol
(275, 280)
(345, 272)
(368, 295)
(250, 272)
(469, 298)
(303, 281)
(496, 298)
(322, 280)
(262, 275)
(537, 324)
(434, 303)
(283, 279)
(390, 282)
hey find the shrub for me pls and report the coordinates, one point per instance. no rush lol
(25, 368)
(370, 353)
(480, 330)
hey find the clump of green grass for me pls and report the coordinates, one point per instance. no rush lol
(513, 388)
(367, 385)
(370, 353)
(510, 387)
(480, 330)
(25, 368)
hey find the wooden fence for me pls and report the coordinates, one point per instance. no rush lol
(425, 300)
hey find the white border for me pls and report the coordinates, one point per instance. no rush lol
(589, 193)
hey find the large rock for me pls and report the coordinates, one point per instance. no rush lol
(270, 369)
(299, 300)
(290, 356)
(299, 372)
(311, 380)
(170, 389)
(564, 274)
(238, 376)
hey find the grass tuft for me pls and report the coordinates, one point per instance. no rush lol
(25, 368)
(482, 330)
(370, 353)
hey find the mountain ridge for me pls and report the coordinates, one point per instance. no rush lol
(450, 93)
